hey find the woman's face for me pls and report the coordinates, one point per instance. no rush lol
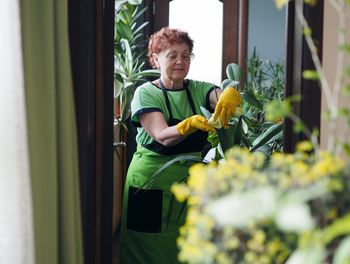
(174, 62)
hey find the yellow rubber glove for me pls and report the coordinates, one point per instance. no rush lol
(192, 124)
(229, 100)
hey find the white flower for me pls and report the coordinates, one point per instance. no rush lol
(294, 218)
(241, 209)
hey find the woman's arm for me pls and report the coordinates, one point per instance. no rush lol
(156, 126)
(214, 97)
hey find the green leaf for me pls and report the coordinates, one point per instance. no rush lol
(228, 83)
(206, 112)
(238, 132)
(347, 70)
(299, 127)
(126, 98)
(139, 13)
(119, 78)
(158, 173)
(311, 75)
(246, 141)
(234, 71)
(118, 87)
(343, 111)
(310, 255)
(148, 73)
(213, 139)
(265, 149)
(307, 31)
(342, 253)
(311, 2)
(124, 31)
(135, 2)
(128, 56)
(140, 27)
(266, 136)
(276, 110)
(339, 227)
(170, 209)
(346, 148)
(345, 47)
(231, 136)
(252, 100)
(119, 4)
(244, 126)
(346, 89)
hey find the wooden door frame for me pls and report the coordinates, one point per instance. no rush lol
(91, 30)
(298, 59)
(91, 36)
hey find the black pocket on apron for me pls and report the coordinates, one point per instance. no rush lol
(144, 212)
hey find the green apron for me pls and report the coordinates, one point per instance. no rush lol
(148, 232)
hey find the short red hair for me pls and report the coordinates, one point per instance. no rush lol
(166, 37)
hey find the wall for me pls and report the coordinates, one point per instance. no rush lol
(266, 30)
(330, 47)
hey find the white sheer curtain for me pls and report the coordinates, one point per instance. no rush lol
(16, 228)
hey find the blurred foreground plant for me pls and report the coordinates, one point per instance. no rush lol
(292, 209)
(243, 210)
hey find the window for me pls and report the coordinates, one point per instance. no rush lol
(203, 22)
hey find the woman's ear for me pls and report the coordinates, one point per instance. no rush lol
(156, 60)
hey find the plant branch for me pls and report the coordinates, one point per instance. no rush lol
(335, 5)
(315, 58)
(338, 75)
(306, 130)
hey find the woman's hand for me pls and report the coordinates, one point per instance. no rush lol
(229, 100)
(192, 124)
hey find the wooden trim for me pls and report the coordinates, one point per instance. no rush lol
(104, 129)
(298, 59)
(149, 17)
(311, 90)
(230, 34)
(288, 125)
(243, 38)
(161, 14)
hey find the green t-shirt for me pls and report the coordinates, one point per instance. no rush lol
(150, 98)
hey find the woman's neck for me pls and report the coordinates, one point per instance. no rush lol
(172, 85)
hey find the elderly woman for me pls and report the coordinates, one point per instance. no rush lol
(169, 123)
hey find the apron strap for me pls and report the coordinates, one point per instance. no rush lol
(167, 101)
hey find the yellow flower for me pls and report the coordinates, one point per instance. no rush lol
(273, 247)
(180, 191)
(332, 213)
(232, 243)
(278, 159)
(311, 2)
(304, 146)
(197, 178)
(223, 258)
(194, 200)
(259, 237)
(250, 257)
(280, 3)
(299, 170)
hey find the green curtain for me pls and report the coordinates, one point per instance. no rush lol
(51, 132)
